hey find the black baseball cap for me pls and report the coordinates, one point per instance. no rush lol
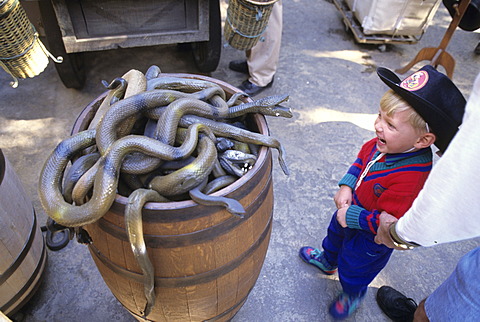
(434, 96)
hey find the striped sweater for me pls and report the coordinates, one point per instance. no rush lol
(391, 185)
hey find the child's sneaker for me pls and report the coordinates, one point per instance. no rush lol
(344, 306)
(315, 257)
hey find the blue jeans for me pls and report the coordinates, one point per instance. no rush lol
(458, 298)
(358, 257)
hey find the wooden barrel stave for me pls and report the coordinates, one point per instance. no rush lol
(231, 290)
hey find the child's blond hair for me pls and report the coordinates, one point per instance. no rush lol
(391, 102)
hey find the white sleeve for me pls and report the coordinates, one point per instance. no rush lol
(448, 207)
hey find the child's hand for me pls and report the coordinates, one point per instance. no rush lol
(343, 197)
(342, 216)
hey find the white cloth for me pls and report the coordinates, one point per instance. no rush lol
(448, 207)
(263, 58)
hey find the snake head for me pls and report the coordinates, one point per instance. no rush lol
(271, 101)
(119, 81)
(119, 86)
(152, 72)
(236, 209)
(282, 111)
(236, 156)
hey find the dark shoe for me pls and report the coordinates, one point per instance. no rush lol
(240, 66)
(251, 89)
(477, 49)
(314, 256)
(395, 305)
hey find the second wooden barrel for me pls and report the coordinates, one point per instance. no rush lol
(206, 260)
(22, 247)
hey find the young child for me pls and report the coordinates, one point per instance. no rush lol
(389, 172)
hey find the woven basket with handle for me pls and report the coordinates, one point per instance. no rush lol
(246, 22)
(22, 54)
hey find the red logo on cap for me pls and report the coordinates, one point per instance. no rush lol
(415, 81)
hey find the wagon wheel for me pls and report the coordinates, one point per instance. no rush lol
(207, 53)
(71, 70)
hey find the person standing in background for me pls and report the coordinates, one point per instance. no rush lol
(262, 59)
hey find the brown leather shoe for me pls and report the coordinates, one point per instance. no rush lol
(240, 66)
(252, 89)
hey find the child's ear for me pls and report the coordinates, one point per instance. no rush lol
(425, 140)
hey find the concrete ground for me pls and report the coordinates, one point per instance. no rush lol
(334, 93)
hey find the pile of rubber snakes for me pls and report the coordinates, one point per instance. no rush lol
(156, 138)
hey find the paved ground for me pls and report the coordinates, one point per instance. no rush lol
(334, 92)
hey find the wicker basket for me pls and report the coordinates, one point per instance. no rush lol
(22, 54)
(246, 22)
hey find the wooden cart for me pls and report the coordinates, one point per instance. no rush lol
(73, 27)
(354, 25)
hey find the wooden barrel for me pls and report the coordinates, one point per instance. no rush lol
(22, 247)
(206, 260)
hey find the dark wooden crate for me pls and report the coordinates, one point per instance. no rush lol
(88, 25)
